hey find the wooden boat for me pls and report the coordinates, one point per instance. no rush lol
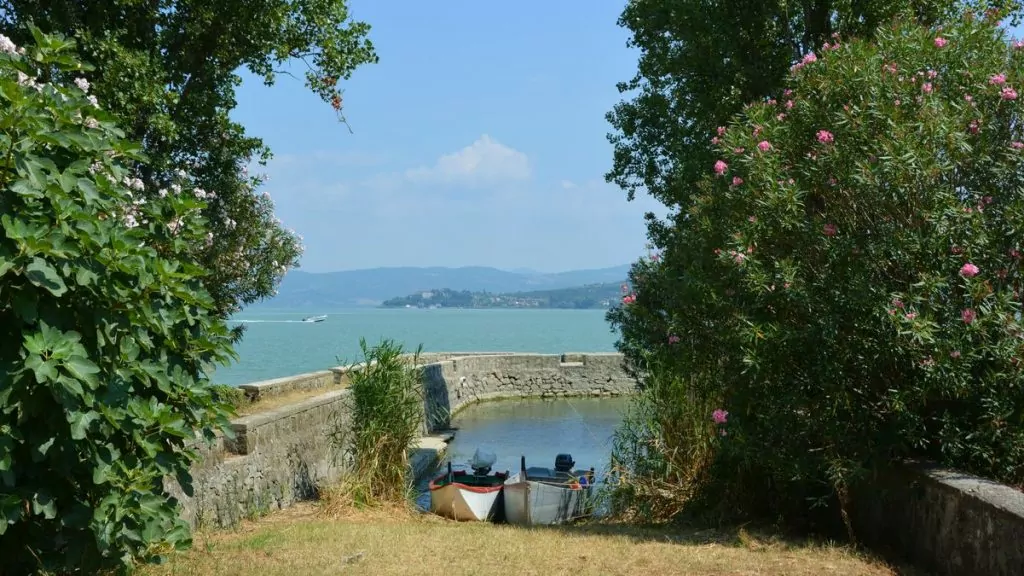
(314, 318)
(465, 496)
(540, 496)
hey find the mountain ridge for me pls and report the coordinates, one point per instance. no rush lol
(371, 286)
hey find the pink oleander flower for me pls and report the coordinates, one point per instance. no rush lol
(997, 79)
(719, 416)
(780, 117)
(1008, 93)
(764, 146)
(932, 74)
(721, 130)
(968, 98)
(986, 199)
(941, 42)
(1018, 44)
(809, 57)
(721, 167)
(954, 354)
(1015, 254)
(628, 299)
(829, 229)
(825, 137)
(1017, 145)
(926, 87)
(787, 92)
(968, 315)
(789, 104)
(739, 257)
(973, 127)
(898, 303)
(910, 315)
(969, 270)
(715, 140)
(673, 339)
(739, 150)
(752, 219)
(736, 181)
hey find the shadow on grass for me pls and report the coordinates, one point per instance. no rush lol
(753, 537)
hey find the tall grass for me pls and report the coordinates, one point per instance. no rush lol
(385, 415)
(663, 451)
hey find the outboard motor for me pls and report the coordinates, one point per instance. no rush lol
(564, 463)
(482, 461)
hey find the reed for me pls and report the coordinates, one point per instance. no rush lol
(385, 417)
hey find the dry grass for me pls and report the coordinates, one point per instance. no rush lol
(302, 541)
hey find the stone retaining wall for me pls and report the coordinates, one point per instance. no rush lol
(948, 523)
(281, 456)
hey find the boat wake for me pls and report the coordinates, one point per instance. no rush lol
(270, 321)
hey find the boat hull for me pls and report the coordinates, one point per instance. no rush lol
(466, 503)
(535, 503)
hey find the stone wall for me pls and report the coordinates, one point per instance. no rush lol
(282, 455)
(948, 523)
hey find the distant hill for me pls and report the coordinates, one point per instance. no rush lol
(372, 286)
(578, 297)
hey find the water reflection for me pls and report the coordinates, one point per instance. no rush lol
(538, 429)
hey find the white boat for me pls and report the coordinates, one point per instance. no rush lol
(541, 496)
(314, 318)
(465, 496)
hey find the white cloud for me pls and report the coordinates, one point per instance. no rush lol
(485, 161)
(568, 184)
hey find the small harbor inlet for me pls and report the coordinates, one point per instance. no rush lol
(538, 429)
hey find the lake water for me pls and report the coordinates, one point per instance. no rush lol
(278, 343)
(538, 429)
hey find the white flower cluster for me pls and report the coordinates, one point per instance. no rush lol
(82, 84)
(7, 46)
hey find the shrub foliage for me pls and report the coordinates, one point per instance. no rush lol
(846, 280)
(105, 333)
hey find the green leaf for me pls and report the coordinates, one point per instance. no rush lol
(11, 510)
(43, 369)
(40, 273)
(85, 277)
(80, 422)
(83, 369)
(44, 504)
(88, 188)
(68, 180)
(26, 188)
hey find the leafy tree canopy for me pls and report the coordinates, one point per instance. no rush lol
(168, 69)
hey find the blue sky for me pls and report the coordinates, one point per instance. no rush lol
(479, 140)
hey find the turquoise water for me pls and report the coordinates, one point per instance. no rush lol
(279, 344)
(538, 429)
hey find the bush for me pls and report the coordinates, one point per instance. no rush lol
(852, 272)
(105, 333)
(385, 418)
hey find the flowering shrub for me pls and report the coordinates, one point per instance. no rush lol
(853, 272)
(105, 330)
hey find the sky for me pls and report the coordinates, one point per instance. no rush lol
(479, 140)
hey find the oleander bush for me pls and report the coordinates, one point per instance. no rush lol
(106, 331)
(849, 285)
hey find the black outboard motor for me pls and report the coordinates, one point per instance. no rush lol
(564, 463)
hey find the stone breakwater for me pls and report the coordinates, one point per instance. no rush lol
(283, 454)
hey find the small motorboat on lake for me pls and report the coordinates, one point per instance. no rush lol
(314, 318)
(464, 496)
(540, 496)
